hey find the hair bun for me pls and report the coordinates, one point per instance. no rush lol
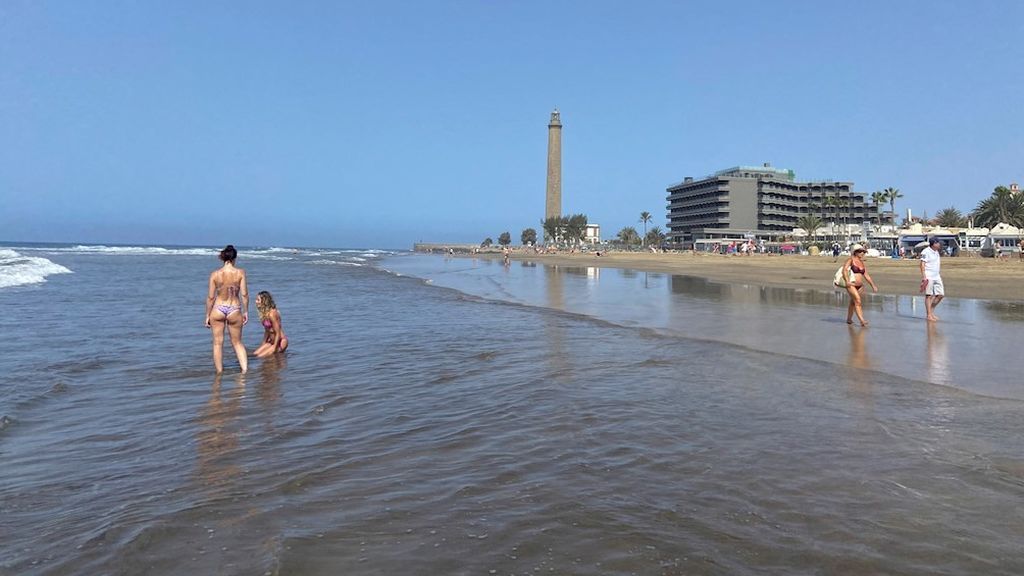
(228, 254)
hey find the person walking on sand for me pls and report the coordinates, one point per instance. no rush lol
(857, 274)
(274, 339)
(227, 306)
(931, 281)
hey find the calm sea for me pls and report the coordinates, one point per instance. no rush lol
(438, 416)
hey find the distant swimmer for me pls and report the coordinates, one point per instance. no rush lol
(274, 340)
(227, 306)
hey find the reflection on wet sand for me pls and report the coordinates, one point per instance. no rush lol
(938, 355)
(1012, 311)
(860, 382)
(797, 322)
(268, 389)
(217, 438)
(553, 330)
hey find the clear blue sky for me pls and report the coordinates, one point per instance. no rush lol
(381, 123)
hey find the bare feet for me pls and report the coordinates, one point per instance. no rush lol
(932, 318)
(864, 323)
(849, 321)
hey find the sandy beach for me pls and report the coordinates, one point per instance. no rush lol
(964, 277)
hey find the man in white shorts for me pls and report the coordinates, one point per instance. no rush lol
(931, 281)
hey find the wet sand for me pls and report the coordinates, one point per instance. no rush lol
(964, 277)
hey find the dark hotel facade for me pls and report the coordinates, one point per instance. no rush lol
(763, 201)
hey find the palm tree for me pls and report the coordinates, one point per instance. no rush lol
(844, 215)
(645, 217)
(1001, 206)
(878, 198)
(831, 203)
(950, 218)
(810, 224)
(628, 236)
(654, 236)
(812, 207)
(892, 195)
(529, 236)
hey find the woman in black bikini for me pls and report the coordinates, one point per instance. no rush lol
(227, 306)
(858, 274)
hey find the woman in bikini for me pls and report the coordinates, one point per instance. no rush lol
(858, 274)
(274, 339)
(227, 306)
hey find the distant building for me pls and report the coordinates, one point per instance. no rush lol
(760, 202)
(592, 234)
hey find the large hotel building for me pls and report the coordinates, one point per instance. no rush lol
(762, 202)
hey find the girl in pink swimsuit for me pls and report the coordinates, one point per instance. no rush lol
(274, 340)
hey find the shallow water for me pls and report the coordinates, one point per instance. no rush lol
(414, 428)
(972, 348)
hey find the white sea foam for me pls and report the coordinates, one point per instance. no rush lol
(17, 269)
(129, 250)
(270, 253)
(333, 263)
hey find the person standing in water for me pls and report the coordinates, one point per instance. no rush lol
(227, 307)
(931, 281)
(857, 273)
(274, 339)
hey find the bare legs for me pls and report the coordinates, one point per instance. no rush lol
(855, 306)
(930, 302)
(267, 348)
(233, 322)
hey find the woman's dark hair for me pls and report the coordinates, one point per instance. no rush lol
(228, 254)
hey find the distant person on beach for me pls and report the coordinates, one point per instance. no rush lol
(835, 251)
(274, 340)
(227, 306)
(857, 274)
(931, 281)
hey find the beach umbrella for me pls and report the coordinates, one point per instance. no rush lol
(920, 245)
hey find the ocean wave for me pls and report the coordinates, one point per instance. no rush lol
(17, 269)
(333, 263)
(267, 253)
(129, 250)
(364, 252)
(263, 256)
